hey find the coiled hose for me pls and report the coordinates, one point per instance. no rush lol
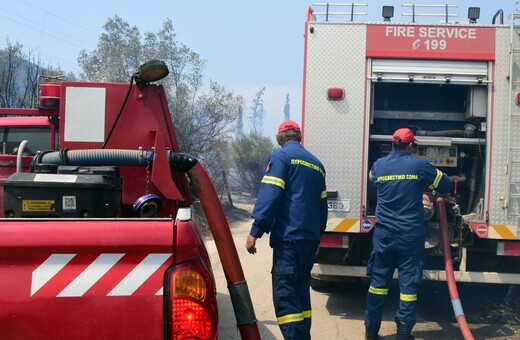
(450, 276)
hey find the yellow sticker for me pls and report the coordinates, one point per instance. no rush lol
(38, 205)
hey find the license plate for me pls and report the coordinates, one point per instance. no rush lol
(339, 205)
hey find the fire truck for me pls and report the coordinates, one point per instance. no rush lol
(97, 231)
(456, 84)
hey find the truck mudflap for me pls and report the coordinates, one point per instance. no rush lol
(83, 279)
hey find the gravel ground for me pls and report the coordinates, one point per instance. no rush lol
(492, 311)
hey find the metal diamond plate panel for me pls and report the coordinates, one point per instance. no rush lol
(501, 124)
(333, 130)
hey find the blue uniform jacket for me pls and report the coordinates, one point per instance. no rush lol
(292, 199)
(400, 180)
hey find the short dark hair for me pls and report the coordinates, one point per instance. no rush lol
(287, 136)
(401, 146)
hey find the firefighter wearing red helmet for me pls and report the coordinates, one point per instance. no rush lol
(292, 206)
(400, 232)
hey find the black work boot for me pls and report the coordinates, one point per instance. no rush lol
(403, 331)
(371, 334)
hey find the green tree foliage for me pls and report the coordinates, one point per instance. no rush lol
(251, 150)
(205, 128)
(186, 67)
(117, 56)
(203, 121)
(20, 74)
(250, 153)
(11, 61)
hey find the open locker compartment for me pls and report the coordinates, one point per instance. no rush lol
(450, 124)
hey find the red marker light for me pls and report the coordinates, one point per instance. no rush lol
(335, 93)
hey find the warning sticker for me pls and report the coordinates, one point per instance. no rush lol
(38, 205)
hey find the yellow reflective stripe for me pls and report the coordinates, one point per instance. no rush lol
(324, 194)
(344, 225)
(378, 291)
(370, 175)
(307, 314)
(274, 181)
(437, 180)
(502, 231)
(408, 297)
(290, 318)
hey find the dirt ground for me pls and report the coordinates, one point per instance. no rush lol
(492, 312)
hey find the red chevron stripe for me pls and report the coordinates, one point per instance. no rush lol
(117, 273)
(65, 276)
(152, 285)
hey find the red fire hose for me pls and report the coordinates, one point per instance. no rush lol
(450, 276)
(227, 251)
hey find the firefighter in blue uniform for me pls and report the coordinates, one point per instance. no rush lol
(400, 231)
(292, 206)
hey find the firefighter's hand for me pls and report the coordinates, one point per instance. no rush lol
(251, 244)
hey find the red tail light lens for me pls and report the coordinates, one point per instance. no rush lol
(190, 320)
(191, 302)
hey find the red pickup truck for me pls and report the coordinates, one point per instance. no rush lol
(97, 238)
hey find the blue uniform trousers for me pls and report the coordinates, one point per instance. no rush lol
(391, 252)
(292, 264)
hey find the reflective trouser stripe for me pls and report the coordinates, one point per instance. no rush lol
(378, 291)
(408, 297)
(294, 317)
(290, 318)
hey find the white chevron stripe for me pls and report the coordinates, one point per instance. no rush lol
(46, 271)
(91, 275)
(139, 274)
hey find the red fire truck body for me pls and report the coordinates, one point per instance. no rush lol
(456, 85)
(97, 238)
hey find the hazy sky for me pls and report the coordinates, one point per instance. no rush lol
(247, 44)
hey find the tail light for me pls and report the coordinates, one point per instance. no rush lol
(191, 302)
